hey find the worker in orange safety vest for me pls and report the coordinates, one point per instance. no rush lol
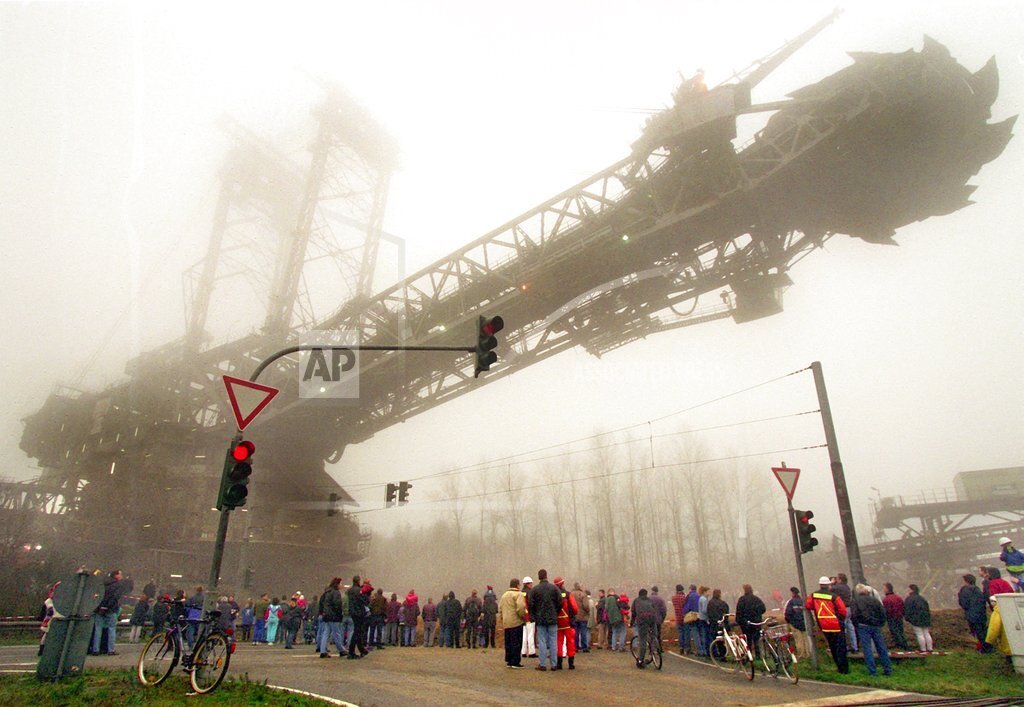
(566, 641)
(830, 613)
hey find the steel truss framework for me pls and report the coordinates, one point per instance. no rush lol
(636, 249)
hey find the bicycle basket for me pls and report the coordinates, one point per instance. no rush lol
(776, 631)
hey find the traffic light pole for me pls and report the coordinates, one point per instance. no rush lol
(808, 618)
(838, 478)
(210, 600)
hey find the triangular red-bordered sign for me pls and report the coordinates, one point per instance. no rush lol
(787, 478)
(247, 399)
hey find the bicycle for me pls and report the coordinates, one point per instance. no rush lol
(777, 651)
(653, 653)
(206, 663)
(729, 651)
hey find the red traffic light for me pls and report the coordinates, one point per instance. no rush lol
(492, 326)
(242, 451)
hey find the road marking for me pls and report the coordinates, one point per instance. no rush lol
(11, 665)
(325, 698)
(16, 671)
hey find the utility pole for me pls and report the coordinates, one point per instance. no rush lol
(838, 478)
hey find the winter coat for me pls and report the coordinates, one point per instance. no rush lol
(490, 610)
(582, 605)
(544, 601)
(140, 613)
(844, 592)
(248, 616)
(160, 613)
(717, 610)
(378, 605)
(356, 603)
(795, 614)
(113, 590)
(692, 602)
(972, 601)
(749, 609)
(391, 612)
(1012, 558)
(917, 611)
(333, 610)
(410, 609)
(611, 607)
(996, 635)
(292, 617)
(660, 607)
(894, 609)
(472, 609)
(429, 613)
(512, 608)
(452, 611)
(645, 613)
(867, 611)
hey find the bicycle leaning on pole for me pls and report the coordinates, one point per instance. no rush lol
(729, 651)
(206, 663)
(777, 650)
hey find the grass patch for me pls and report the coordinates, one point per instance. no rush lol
(120, 687)
(958, 674)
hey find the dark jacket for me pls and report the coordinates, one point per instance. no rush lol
(160, 613)
(917, 611)
(378, 606)
(544, 601)
(717, 609)
(645, 613)
(972, 601)
(490, 609)
(844, 592)
(391, 611)
(472, 608)
(450, 611)
(113, 590)
(429, 612)
(749, 609)
(795, 613)
(332, 608)
(140, 613)
(356, 603)
(867, 611)
(292, 618)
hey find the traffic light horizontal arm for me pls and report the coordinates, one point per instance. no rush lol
(356, 347)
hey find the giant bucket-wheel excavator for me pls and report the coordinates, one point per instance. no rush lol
(690, 227)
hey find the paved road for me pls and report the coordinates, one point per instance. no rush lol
(435, 676)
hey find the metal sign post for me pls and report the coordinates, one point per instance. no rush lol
(787, 479)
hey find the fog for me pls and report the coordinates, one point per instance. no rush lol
(108, 165)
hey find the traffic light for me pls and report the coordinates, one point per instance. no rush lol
(805, 530)
(403, 492)
(485, 343)
(390, 494)
(235, 480)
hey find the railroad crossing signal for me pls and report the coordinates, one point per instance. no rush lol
(234, 481)
(403, 492)
(486, 342)
(805, 530)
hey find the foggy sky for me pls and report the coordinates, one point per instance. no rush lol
(108, 180)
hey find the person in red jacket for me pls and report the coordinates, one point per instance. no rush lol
(566, 641)
(830, 614)
(893, 604)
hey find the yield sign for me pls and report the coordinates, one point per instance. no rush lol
(788, 478)
(247, 399)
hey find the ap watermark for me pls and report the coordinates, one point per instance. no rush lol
(326, 368)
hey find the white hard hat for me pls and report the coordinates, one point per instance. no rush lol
(824, 580)
(527, 580)
(1004, 540)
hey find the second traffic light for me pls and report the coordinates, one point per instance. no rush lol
(486, 342)
(403, 492)
(234, 481)
(805, 530)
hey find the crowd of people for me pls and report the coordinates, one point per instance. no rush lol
(544, 620)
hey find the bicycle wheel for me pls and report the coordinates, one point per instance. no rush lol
(634, 647)
(656, 653)
(210, 663)
(158, 658)
(788, 663)
(746, 661)
(770, 658)
(719, 652)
